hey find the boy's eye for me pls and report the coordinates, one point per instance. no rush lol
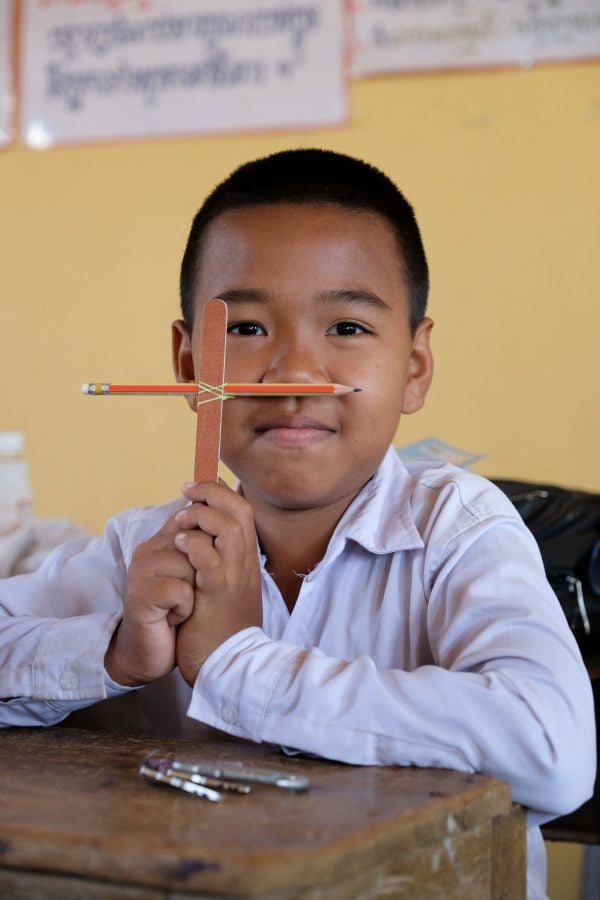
(346, 329)
(249, 329)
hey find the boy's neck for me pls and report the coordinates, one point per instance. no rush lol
(294, 541)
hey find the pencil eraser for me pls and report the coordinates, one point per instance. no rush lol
(85, 388)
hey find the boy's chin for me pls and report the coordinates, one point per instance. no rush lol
(289, 499)
(299, 495)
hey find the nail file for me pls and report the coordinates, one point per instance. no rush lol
(212, 372)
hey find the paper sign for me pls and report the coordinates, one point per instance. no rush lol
(6, 55)
(434, 450)
(395, 35)
(107, 69)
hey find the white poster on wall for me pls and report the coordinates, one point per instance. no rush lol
(117, 69)
(6, 80)
(404, 35)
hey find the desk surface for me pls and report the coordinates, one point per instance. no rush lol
(75, 813)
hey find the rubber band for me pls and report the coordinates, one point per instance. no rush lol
(218, 392)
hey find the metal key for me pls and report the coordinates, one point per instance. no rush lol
(167, 765)
(287, 780)
(182, 783)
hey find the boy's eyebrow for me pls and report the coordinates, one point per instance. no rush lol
(356, 297)
(244, 295)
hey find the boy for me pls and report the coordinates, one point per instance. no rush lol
(337, 602)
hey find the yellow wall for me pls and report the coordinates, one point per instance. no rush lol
(502, 168)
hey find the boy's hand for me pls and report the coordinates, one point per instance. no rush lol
(217, 536)
(160, 595)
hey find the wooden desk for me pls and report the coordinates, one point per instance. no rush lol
(77, 821)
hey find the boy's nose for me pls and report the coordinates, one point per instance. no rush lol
(295, 362)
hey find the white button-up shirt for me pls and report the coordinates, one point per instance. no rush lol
(426, 636)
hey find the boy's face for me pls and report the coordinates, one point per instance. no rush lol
(315, 293)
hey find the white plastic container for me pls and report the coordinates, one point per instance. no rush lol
(16, 495)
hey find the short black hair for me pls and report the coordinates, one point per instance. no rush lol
(317, 177)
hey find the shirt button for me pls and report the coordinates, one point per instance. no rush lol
(229, 713)
(68, 680)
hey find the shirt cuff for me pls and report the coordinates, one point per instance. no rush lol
(114, 689)
(69, 663)
(234, 686)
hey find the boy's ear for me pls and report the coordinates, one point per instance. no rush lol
(420, 369)
(181, 355)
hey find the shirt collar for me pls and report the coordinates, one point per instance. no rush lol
(380, 517)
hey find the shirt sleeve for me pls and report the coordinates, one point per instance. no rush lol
(507, 695)
(55, 627)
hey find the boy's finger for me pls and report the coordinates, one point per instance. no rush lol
(168, 563)
(182, 610)
(170, 596)
(209, 519)
(169, 527)
(199, 549)
(228, 537)
(212, 568)
(218, 495)
(158, 544)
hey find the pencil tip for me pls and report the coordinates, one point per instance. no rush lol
(357, 389)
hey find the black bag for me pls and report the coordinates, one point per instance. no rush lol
(566, 526)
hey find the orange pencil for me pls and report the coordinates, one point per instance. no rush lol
(250, 389)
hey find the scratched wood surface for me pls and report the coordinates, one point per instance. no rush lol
(77, 821)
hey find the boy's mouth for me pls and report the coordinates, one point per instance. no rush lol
(294, 431)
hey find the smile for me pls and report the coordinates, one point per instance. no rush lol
(294, 431)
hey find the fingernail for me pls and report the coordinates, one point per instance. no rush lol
(180, 540)
(187, 485)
